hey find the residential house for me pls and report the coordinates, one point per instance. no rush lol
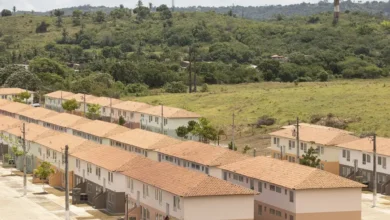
(142, 142)
(357, 162)
(323, 139)
(5, 124)
(105, 106)
(34, 115)
(13, 108)
(199, 156)
(166, 118)
(96, 174)
(98, 131)
(165, 191)
(11, 93)
(295, 192)
(82, 99)
(55, 99)
(63, 122)
(52, 149)
(130, 111)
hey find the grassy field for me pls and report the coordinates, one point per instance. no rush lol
(365, 102)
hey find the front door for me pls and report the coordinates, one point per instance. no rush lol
(167, 209)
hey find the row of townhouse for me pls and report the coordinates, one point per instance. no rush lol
(11, 93)
(340, 152)
(191, 155)
(160, 119)
(107, 175)
(356, 162)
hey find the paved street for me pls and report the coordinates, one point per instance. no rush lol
(381, 211)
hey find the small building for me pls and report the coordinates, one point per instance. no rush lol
(11, 93)
(279, 58)
(167, 118)
(357, 162)
(82, 99)
(105, 106)
(295, 192)
(63, 122)
(130, 111)
(5, 124)
(34, 115)
(142, 142)
(97, 131)
(323, 139)
(55, 99)
(200, 157)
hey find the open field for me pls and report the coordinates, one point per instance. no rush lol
(365, 102)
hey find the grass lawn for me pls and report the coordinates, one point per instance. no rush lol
(366, 102)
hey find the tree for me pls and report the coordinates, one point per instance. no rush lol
(99, 17)
(70, 105)
(205, 131)
(310, 158)
(46, 65)
(8, 40)
(22, 97)
(23, 79)
(43, 172)
(59, 13)
(175, 87)
(93, 111)
(5, 13)
(42, 27)
(76, 17)
(121, 120)
(14, 9)
(182, 132)
(232, 146)
(164, 11)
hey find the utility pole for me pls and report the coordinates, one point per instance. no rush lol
(281, 152)
(84, 105)
(374, 169)
(162, 119)
(67, 217)
(254, 152)
(233, 133)
(127, 206)
(24, 161)
(297, 136)
(110, 109)
(336, 14)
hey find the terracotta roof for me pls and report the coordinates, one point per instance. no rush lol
(179, 180)
(289, 175)
(57, 142)
(144, 139)
(4, 102)
(366, 145)
(38, 113)
(79, 97)
(15, 107)
(103, 101)
(203, 153)
(11, 91)
(57, 94)
(169, 112)
(8, 122)
(65, 120)
(110, 158)
(316, 133)
(100, 128)
(33, 131)
(131, 106)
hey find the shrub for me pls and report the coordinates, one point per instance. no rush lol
(85, 44)
(265, 120)
(324, 76)
(139, 89)
(205, 87)
(175, 87)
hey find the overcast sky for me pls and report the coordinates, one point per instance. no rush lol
(45, 5)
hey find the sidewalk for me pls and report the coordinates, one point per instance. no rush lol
(380, 212)
(36, 205)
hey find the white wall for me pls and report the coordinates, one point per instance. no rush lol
(358, 155)
(169, 128)
(328, 200)
(219, 207)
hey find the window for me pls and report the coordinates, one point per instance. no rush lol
(278, 213)
(304, 147)
(291, 217)
(165, 121)
(272, 211)
(260, 187)
(344, 153)
(39, 151)
(278, 190)
(158, 195)
(322, 149)
(265, 185)
(145, 190)
(241, 178)
(384, 163)
(176, 202)
(272, 187)
(379, 160)
(156, 119)
(63, 158)
(47, 153)
(132, 115)
(110, 177)
(291, 144)
(89, 168)
(259, 210)
(348, 155)
(77, 163)
(291, 196)
(364, 158)
(252, 184)
(97, 171)
(150, 118)
(368, 158)
(104, 110)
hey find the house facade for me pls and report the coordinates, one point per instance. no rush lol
(82, 100)
(323, 140)
(357, 162)
(13, 108)
(105, 104)
(295, 192)
(33, 115)
(55, 99)
(164, 119)
(130, 111)
(63, 122)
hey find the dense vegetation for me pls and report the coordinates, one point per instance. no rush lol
(131, 50)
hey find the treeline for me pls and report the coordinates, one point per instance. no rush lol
(149, 47)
